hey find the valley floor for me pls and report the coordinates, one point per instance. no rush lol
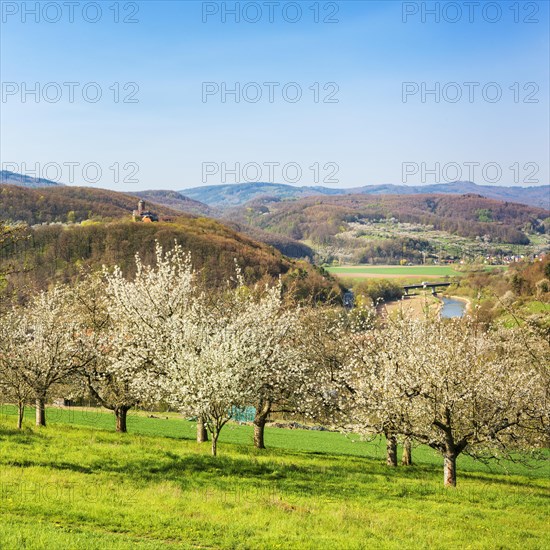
(395, 271)
(78, 484)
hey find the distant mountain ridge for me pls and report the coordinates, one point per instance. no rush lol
(231, 195)
(205, 200)
(236, 194)
(13, 178)
(538, 196)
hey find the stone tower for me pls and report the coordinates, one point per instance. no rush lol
(141, 207)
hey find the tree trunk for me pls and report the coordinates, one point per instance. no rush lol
(202, 432)
(259, 429)
(406, 458)
(40, 411)
(391, 450)
(215, 444)
(121, 413)
(20, 413)
(449, 469)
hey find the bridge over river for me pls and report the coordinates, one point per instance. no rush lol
(431, 286)
(451, 307)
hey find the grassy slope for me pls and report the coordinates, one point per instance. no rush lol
(83, 486)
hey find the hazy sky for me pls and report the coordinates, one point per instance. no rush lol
(163, 120)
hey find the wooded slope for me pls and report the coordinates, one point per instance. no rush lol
(317, 218)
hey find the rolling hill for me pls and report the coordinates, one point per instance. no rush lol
(68, 203)
(59, 248)
(177, 201)
(231, 195)
(289, 247)
(387, 228)
(226, 196)
(13, 178)
(78, 204)
(466, 215)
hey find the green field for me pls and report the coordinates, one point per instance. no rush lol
(389, 271)
(77, 484)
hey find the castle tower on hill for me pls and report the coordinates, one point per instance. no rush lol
(144, 215)
(141, 207)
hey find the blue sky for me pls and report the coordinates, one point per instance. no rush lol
(171, 132)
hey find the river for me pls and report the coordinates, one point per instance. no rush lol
(452, 308)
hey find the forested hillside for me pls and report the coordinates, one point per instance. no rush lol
(68, 204)
(287, 246)
(177, 201)
(61, 253)
(320, 218)
(78, 204)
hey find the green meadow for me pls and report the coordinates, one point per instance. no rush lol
(77, 484)
(396, 271)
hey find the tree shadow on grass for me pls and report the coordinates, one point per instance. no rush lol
(26, 436)
(505, 479)
(332, 482)
(251, 466)
(55, 466)
(193, 470)
(224, 473)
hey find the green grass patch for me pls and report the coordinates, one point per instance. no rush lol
(536, 306)
(396, 271)
(77, 484)
(531, 307)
